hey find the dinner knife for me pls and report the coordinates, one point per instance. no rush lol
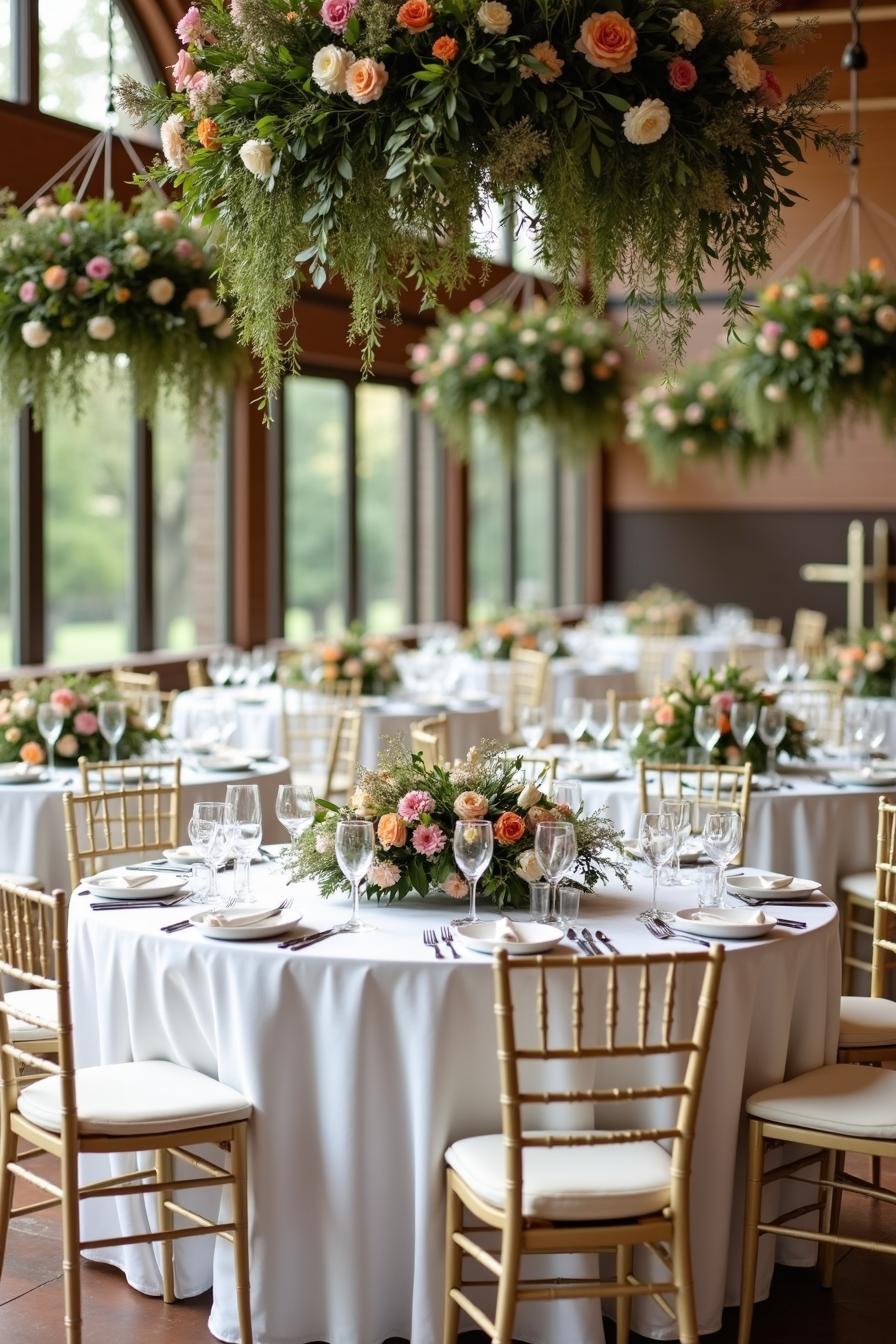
(296, 944)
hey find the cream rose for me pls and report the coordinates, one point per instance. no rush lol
(329, 68)
(361, 804)
(73, 211)
(138, 257)
(224, 330)
(529, 796)
(647, 122)
(743, 70)
(101, 327)
(527, 866)
(687, 29)
(174, 145)
(257, 158)
(161, 290)
(885, 317)
(365, 80)
(210, 314)
(470, 806)
(35, 334)
(493, 17)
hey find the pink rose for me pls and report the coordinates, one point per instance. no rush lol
(67, 745)
(86, 723)
(336, 14)
(772, 330)
(665, 715)
(98, 268)
(182, 69)
(476, 306)
(682, 74)
(192, 29)
(770, 91)
(64, 699)
(81, 286)
(28, 291)
(65, 239)
(183, 248)
(723, 700)
(477, 361)
(428, 840)
(414, 804)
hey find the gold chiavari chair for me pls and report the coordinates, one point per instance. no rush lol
(807, 636)
(856, 891)
(321, 741)
(820, 704)
(584, 1191)
(154, 1106)
(654, 659)
(527, 684)
(342, 763)
(134, 684)
(128, 774)
(868, 1025)
(770, 625)
(429, 737)
(709, 788)
(197, 674)
(137, 820)
(26, 938)
(541, 770)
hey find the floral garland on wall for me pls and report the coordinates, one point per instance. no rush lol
(497, 367)
(82, 279)
(864, 666)
(362, 139)
(78, 699)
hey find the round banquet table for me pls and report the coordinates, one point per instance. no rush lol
(567, 677)
(364, 1058)
(711, 649)
(33, 826)
(259, 719)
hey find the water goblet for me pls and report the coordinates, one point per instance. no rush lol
(220, 665)
(556, 852)
(630, 721)
(772, 727)
(296, 806)
(743, 722)
(656, 840)
(599, 721)
(574, 715)
(354, 854)
(679, 809)
(474, 844)
(722, 839)
(208, 834)
(530, 721)
(50, 721)
(112, 718)
(707, 729)
(242, 818)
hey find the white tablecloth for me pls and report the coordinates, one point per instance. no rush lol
(32, 824)
(708, 650)
(566, 677)
(364, 1059)
(259, 720)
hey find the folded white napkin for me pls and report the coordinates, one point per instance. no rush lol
(506, 931)
(715, 917)
(127, 880)
(220, 919)
(775, 881)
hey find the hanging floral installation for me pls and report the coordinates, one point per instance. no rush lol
(499, 368)
(363, 139)
(81, 279)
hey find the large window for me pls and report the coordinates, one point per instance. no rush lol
(535, 584)
(6, 444)
(385, 482)
(7, 72)
(491, 528)
(74, 61)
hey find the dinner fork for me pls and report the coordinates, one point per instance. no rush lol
(431, 940)
(448, 938)
(662, 931)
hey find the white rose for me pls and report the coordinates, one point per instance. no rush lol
(449, 355)
(528, 336)
(328, 68)
(572, 380)
(874, 660)
(224, 330)
(361, 805)
(456, 331)
(174, 146)
(790, 290)
(210, 314)
(527, 866)
(745, 73)
(572, 357)
(687, 29)
(494, 17)
(885, 317)
(665, 417)
(101, 328)
(647, 122)
(35, 334)
(790, 350)
(138, 257)
(529, 795)
(707, 391)
(775, 392)
(161, 290)
(324, 842)
(694, 413)
(258, 158)
(505, 367)
(24, 708)
(72, 211)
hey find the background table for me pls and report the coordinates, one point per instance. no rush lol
(566, 677)
(364, 1059)
(708, 650)
(33, 827)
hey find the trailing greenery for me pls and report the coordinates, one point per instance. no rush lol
(81, 280)
(360, 139)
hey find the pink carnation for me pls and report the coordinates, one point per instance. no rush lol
(336, 14)
(28, 291)
(183, 248)
(63, 699)
(86, 723)
(682, 74)
(415, 803)
(182, 69)
(65, 239)
(770, 91)
(98, 268)
(428, 840)
(477, 361)
(192, 29)
(665, 715)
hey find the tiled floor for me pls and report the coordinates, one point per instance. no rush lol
(860, 1310)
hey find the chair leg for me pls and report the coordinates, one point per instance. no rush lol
(625, 1256)
(833, 1169)
(507, 1284)
(752, 1213)
(166, 1224)
(71, 1246)
(454, 1210)
(685, 1308)
(240, 1200)
(8, 1149)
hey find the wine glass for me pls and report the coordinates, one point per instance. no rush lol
(296, 806)
(112, 718)
(630, 721)
(530, 721)
(354, 854)
(239, 670)
(242, 817)
(567, 793)
(743, 723)
(574, 716)
(877, 727)
(722, 839)
(220, 664)
(776, 665)
(772, 727)
(50, 721)
(556, 851)
(679, 809)
(707, 729)
(599, 721)
(656, 840)
(151, 710)
(208, 833)
(474, 844)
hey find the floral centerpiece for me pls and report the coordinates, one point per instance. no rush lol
(78, 699)
(814, 352)
(82, 279)
(668, 729)
(500, 368)
(660, 610)
(414, 809)
(516, 629)
(364, 138)
(863, 666)
(351, 656)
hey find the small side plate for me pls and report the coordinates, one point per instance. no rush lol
(532, 938)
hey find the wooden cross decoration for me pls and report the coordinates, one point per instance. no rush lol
(855, 574)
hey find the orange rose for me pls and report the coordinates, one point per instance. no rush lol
(509, 828)
(415, 15)
(724, 724)
(365, 80)
(122, 294)
(608, 41)
(32, 753)
(772, 293)
(331, 653)
(207, 133)
(391, 831)
(446, 49)
(818, 338)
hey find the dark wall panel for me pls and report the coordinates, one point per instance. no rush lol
(751, 558)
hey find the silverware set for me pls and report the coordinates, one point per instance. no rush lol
(432, 938)
(165, 904)
(585, 941)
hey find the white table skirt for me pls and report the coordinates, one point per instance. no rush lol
(364, 1059)
(32, 823)
(259, 724)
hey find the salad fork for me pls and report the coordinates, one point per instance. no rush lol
(662, 931)
(447, 938)
(431, 940)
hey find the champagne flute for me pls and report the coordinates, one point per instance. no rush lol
(474, 844)
(530, 721)
(112, 717)
(242, 817)
(296, 806)
(722, 839)
(743, 723)
(556, 851)
(679, 809)
(772, 727)
(50, 721)
(208, 833)
(656, 840)
(707, 729)
(574, 715)
(354, 854)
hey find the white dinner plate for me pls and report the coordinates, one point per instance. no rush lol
(722, 923)
(258, 753)
(691, 854)
(871, 779)
(226, 763)
(163, 884)
(748, 884)
(277, 924)
(19, 773)
(183, 854)
(532, 938)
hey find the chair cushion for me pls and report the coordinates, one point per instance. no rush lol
(153, 1097)
(839, 1098)
(607, 1181)
(867, 1022)
(859, 884)
(37, 1002)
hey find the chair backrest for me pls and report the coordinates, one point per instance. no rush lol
(820, 704)
(767, 626)
(197, 674)
(807, 636)
(709, 788)
(429, 737)
(884, 947)
(647, 1009)
(341, 688)
(342, 764)
(540, 770)
(528, 679)
(321, 738)
(137, 820)
(127, 774)
(134, 683)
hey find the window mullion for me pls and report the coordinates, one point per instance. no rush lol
(142, 601)
(351, 571)
(27, 536)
